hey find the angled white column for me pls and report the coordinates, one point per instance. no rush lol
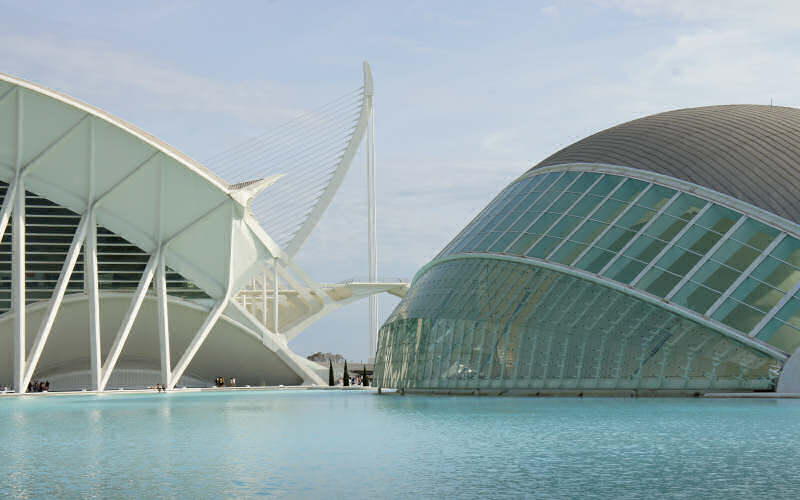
(264, 295)
(127, 322)
(55, 300)
(163, 319)
(211, 319)
(275, 296)
(8, 203)
(197, 341)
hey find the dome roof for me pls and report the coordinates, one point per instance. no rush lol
(750, 152)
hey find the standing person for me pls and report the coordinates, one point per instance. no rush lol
(47, 385)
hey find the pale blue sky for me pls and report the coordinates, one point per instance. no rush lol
(468, 94)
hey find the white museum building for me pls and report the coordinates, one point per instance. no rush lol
(124, 263)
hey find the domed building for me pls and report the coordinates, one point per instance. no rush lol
(660, 256)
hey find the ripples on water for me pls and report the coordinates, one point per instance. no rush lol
(325, 444)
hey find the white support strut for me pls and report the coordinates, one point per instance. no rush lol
(127, 322)
(163, 317)
(18, 258)
(55, 300)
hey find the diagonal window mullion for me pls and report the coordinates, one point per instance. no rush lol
(611, 224)
(705, 257)
(640, 232)
(772, 312)
(588, 217)
(522, 214)
(672, 242)
(758, 260)
(581, 197)
(544, 211)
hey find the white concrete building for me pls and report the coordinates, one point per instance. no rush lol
(125, 263)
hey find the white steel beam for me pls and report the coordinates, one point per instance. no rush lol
(55, 300)
(18, 259)
(275, 296)
(95, 360)
(8, 203)
(163, 318)
(127, 322)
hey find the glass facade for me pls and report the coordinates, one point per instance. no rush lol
(715, 262)
(49, 229)
(489, 323)
(698, 254)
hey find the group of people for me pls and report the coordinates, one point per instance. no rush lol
(353, 380)
(158, 387)
(39, 386)
(220, 382)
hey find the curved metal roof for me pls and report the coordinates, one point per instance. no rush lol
(750, 152)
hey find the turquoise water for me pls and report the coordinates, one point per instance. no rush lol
(326, 444)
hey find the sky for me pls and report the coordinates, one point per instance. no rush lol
(468, 95)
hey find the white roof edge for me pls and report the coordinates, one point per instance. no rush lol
(150, 139)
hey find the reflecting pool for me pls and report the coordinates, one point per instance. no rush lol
(332, 444)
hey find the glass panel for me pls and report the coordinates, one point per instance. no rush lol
(609, 210)
(665, 227)
(629, 189)
(757, 294)
(588, 232)
(698, 239)
(564, 226)
(584, 181)
(738, 316)
(716, 276)
(563, 203)
(503, 242)
(523, 243)
(595, 260)
(564, 181)
(655, 197)
(736, 255)
(790, 312)
(695, 297)
(755, 234)
(583, 207)
(788, 250)
(615, 239)
(645, 248)
(605, 185)
(568, 252)
(777, 274)
(686, 206)
(678, 261)
(781, 335)
(658, 282)
(624, 270)
(719, 218)
(635, 218)
(543, 247)
(548, 181)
